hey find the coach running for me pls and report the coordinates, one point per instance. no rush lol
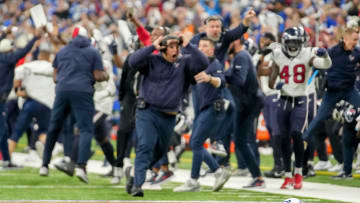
(165, 78)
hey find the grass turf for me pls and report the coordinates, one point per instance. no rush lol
(266, 164)
(26, 184)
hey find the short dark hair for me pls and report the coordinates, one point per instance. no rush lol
(213, 18)
(209, 40)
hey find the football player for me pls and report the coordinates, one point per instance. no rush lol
(293, 62)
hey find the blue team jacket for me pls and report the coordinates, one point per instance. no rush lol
(164, 83)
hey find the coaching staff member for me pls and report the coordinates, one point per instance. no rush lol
(165, 78)
(340, 79)
(76, 68)
(8, 60)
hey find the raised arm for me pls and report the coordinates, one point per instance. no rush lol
(237, 32)
(18, 54)
(143, 34)
(321, 60)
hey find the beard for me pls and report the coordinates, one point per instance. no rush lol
(215, 39)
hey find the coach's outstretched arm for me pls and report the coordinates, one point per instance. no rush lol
(18, 54)
(238, 32)
(322, 59)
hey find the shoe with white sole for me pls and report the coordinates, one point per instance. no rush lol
(322, 165)
(336, 168)
(218, 149)
(66, 166)
(222, 175)
(241, 172)
(81, 174)
(117, 174)
(190, 185)
(44, 171)
(58, 149)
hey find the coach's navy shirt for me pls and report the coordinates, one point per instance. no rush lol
(206, 93)
(164, 83)
(7, 66)
(242, 79)
(223, 44)
(342, 73)
(75, 64)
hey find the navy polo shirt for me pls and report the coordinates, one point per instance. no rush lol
(342, 73)
(242, 79)
(223, 44)
(75, 64)
(7, 66)
(206, 93)
(165, 83)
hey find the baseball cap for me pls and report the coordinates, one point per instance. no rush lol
(79, 31)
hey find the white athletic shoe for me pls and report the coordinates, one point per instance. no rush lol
(44, 171)
(322, 165)
(81, 174)
(32, 156)
(190, 185)
(218, 149)
(336, 168)
(222, 175)
(59, 148)
(241, 172)
(117, 174)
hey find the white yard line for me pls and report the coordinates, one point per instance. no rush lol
(313, 190)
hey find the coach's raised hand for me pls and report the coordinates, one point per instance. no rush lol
(157, 43)
(250, 14)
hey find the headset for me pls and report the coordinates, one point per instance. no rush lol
(169, 37)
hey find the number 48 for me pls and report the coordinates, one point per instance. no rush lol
(299, 74)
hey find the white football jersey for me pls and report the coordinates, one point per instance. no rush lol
(104, 95)
(295, 72)
(37, 78)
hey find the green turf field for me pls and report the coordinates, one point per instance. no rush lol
(26, 184)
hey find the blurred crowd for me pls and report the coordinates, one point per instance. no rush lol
(115, 28)
(323, 19)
